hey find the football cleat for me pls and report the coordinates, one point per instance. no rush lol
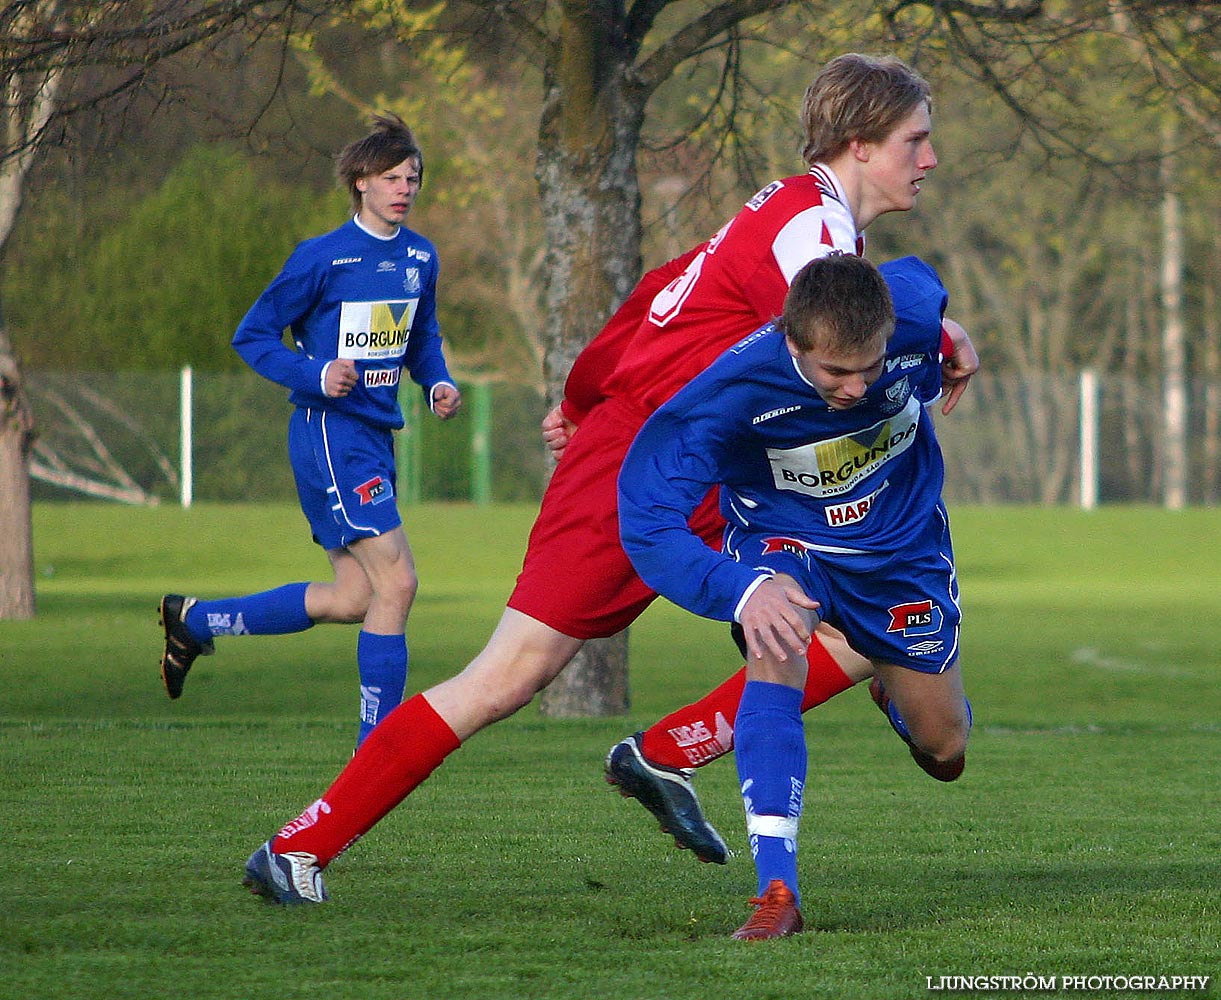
(181, 648)
(776, 915)
(942, 770)
(290, 878)
(666, 792)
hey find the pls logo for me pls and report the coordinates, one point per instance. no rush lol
(793, 546)
(917, 618)
(376, 490)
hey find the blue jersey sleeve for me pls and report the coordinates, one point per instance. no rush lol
(424, 359)
(259, 339)
(668, 471)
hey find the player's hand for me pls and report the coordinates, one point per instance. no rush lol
(340, 377)
(776, 619)
(957, 369)
(557, 432)
(446, 401)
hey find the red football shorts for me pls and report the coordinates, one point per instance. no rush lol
(575, 576)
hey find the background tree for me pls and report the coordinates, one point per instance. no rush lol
(603, 62)
(600, 63)
(614, 87)
(57, 59)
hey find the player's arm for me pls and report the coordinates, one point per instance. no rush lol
(812, 233)
(667, 472)
(424, 359)
(585, 386)
(259, 338)
(959, 363)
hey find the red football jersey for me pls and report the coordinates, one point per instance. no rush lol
(734, 284)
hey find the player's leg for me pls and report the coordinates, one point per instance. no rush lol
(190, 625)
(573, 586)
(919, 683)
(771, 760)
(930, 712)
(702, 731)
(345, 599)
(381, 646)
(522, 656)
(656, 766)
(575, 540)
(345, 474)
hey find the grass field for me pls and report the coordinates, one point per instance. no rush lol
(1084, 839)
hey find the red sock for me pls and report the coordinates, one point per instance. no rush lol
(399, 754)
(701, 732)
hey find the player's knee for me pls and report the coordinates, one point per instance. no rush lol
(496, 702)
(341, 605)
(398, 590)
(943, 744)
(350, 609)
(409, 585)
(953, 747)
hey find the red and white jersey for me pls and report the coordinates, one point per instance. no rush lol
(734, 284)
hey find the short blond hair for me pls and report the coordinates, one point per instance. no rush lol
(858, 97)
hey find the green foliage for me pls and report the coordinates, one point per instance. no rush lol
(1081, 841)
(104, 268)
(477, 125)
(230, 231)
(167, 284)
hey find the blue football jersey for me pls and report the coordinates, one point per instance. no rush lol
(862, 480)
(350, 294)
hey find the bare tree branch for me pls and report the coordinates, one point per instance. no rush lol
(694, 36)
(122, 43)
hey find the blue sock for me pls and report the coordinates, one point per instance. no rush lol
(770, 746)
(272, 612)
(897, 723)
(382, 661)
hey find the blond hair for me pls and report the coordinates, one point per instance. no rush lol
(858, 97)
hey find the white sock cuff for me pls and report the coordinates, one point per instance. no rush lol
(784, 827)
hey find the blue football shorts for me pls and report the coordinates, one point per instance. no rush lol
(895, 607)
(345, 476)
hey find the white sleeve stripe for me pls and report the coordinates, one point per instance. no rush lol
(737, 611)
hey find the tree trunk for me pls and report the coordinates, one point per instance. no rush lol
(16, 533)
(1174, 353)
(595, 683)
(1210, 472)
(589, 191)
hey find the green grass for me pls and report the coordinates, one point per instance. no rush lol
(1083, 839)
